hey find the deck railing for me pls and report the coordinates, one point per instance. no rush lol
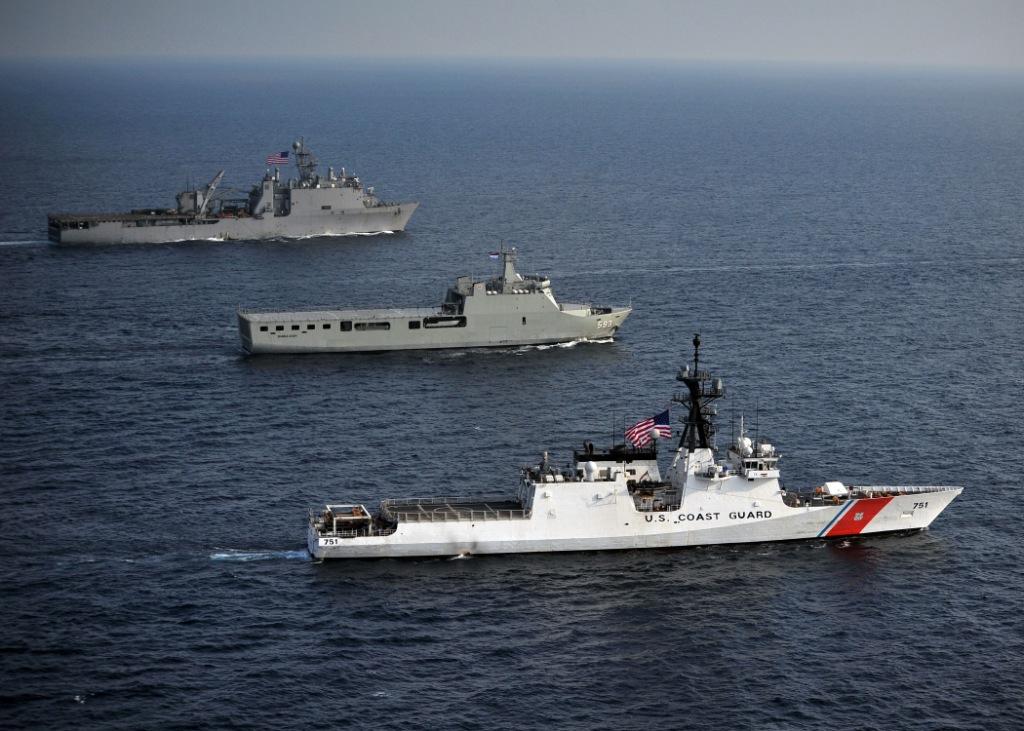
(363, 532)
(461, 515)
(323, 528)
(317, 313)
(442, 509)
(859, 492)
(878, 490)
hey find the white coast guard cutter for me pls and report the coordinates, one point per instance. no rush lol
(618, 499)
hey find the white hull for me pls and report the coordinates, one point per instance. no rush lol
(613, 523)
(616, 499)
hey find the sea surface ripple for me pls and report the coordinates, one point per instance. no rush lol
(850, 246)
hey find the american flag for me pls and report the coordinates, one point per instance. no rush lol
(278, 158)
(640, 433)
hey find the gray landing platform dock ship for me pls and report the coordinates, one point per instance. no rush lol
(510, 309)
(309, 206)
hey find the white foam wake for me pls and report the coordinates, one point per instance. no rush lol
(233, 555)
(24, 242)
(327, 236)
(570, 344)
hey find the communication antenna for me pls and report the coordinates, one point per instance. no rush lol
(757, 420)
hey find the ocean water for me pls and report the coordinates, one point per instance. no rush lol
(849, 244)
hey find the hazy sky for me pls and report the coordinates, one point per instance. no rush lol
(987, 33)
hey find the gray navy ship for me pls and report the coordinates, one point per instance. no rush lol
(311, 205)
(509, 309)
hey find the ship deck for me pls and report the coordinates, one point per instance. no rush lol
(134, 216)
(316, 314)
(442, 509)
(794, 498)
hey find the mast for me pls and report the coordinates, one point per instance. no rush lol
(508, 273)
(304, 161)
(701, 391)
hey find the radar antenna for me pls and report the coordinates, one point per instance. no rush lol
(701, 391)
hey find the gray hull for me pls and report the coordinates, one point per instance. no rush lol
(312, 205)
(339, 223)
(510, 309)
(320, 332)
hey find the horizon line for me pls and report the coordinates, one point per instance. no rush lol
(167, 59)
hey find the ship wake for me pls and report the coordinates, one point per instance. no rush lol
(569, 344)
(260, 555)
(23, 242)
(331, 236)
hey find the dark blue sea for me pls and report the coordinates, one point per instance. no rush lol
(850, 244)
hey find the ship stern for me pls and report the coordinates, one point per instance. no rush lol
(313, 540)
(245, 332)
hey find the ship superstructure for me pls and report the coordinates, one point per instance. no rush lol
(509, 309)
(310, 205)
(618, 499)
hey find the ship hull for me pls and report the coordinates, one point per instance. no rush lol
(498, 329)
(161, 230)
(612, 524)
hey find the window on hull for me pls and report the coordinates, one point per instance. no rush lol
(451, 321)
